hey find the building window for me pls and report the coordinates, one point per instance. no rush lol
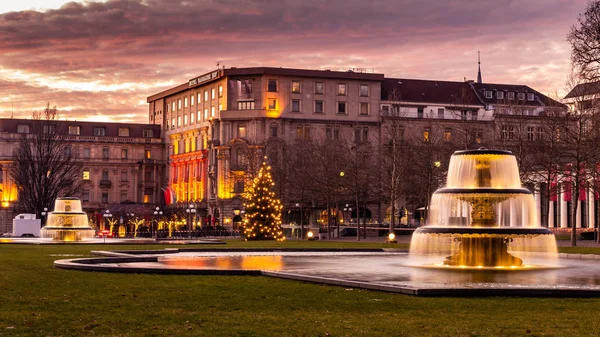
(199, 97)
(530, 96)
(510, 95)
(123, 175)
(341, 108)
(504, 133)
(99, 131)
(105, 153)
(85, 196)
(241, 131)
(22, 128)
(148, 154)
(426, 135)
(273, 130)
(319, 107)
(530, 133)
(245, 105)
(364, 90)
(295, 87)
(521, 96)
(185, 120)
(198, 115)
(220, 91)
(540, 133)
(191, 100)
(478, 136)
(105, 197)
(361, 134)
(272, 86)
(420, 111)
(178, 121)
(123, 195)
(205, 114)
(295, 105)
(319, 88)
(474, 115)
(500, 94)
(447, 135)
(185, 102)
(179, 104)
(342, 89)
(441, 113)
(488, 94)
(86, 153)
(205, 95)
(74, 130)
(123, 132)
(104, 174)
(302, 132)
(172, 106)
(123, 153)
(364, 109)
(464, 114)
(213, 93)
(332, 133)
(191, 117)
(272, 103)
(511, 132)
(86, 174)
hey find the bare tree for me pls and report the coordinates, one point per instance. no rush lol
(585, 42)
(46, 166)
(462, 105)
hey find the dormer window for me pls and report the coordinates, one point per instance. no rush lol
(510, 95)
(530, 96)
(500, 94)
(488, 94)
(521, 96)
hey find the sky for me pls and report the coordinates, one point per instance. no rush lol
(100, 60)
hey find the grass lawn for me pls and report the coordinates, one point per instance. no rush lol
(37, 299)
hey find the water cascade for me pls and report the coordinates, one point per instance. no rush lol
(67, 222)
(483, 218)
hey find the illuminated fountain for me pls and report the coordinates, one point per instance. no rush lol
(67, 222)
(484, 218)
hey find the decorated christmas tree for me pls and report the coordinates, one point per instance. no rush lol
(263, 209)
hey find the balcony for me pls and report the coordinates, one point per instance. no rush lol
(105, 183)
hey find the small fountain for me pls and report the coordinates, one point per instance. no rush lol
(67, 222)
(484, 218)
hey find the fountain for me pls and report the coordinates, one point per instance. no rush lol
(484, 218)
(67, 222)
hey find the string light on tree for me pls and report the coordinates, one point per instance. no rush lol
(263, 209)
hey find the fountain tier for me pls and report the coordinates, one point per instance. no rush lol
(67, 222)
(483, 217)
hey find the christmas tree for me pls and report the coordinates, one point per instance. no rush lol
(263, 209)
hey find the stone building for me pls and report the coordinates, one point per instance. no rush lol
(122, 162)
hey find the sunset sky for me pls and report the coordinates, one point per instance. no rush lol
(99, 60)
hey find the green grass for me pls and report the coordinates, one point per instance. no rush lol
(37, 299)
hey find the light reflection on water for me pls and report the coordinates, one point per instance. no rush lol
(393, 268)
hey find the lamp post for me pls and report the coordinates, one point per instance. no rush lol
(44, 214)
(191, 211)
(157, 213)
(348, 214)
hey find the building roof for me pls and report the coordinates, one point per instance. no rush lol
(429, 91)
(584, 89)
(350, 75)
(86, 128)
(539, 98)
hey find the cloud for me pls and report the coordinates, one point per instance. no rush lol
(156, 43)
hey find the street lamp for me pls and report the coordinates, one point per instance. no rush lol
(107, 215)
(191, 211)
(157, 213)
(44, 214)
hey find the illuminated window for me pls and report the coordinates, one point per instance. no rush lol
(86, 174)
(296, 87)
(198, 115)
(295, 105)
(191, 100)
(341, 89)
(173, 106)
(179, 104)
(341, 108)
(220, 91)
(272, 103)
(364, 109)
(447, 135)
(74, 129)
(199, 98)
(245, 105)
(205, 95)
(319, 88)
(123, 132)
(212, 111)
(426, 136)
(205, 114)
(178, 121)
(185, 119)
(185, 101)
(220, 107)
(212, 93)
(364, 90)
(319, 107)
(191, 117)
(241, 131)
(124, 153)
